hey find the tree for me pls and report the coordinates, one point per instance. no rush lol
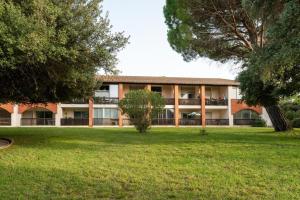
(50, 50)
(231, 30)
(141, 106)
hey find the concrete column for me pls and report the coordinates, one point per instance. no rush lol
(58, 115)
(91, 112)
(15, 116)
(230, 115)
(203, 111)
(121, 95)
(176, 106)
(148, 87)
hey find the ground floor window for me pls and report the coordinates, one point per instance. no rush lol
(4, 114)
(166, 114)
(190, 115)
(44, 114)
(111, 113)
(81, 114)
(246, 114)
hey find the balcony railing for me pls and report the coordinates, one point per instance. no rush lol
(74, 122)
(77, 101)
(163, 122)
(243, 121)
(37, 122)
(5, 121)
(189, 101)
(216, 102)
(217, 121)
(105, 122)
(169, 101)
(105, 100)
(190, 122)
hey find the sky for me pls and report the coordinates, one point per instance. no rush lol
(149, 53)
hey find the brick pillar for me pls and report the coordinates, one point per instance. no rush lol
(203, 114)
(91, 112)
(229, 97)
(120, 95)
(176, 107)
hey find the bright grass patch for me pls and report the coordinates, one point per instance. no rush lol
(166, 163)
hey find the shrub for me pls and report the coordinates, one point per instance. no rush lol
(296, 123)
(141, 106)
(259, 122)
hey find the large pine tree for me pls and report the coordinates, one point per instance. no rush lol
(243, 31)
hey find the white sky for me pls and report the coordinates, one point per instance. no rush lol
(149, 52)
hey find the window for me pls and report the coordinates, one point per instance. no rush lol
(156, 89)
(103, 91)
(208, 92)
(208, 115)
(166, 114)
(4, 114)
(190, 115)
(246, 114)
(44, 114)
(187, 92)
(81, 114)
(104, 88)
(110, 113)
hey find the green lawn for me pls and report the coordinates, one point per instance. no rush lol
(167, 163)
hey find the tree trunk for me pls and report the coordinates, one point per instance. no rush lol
(277, 118)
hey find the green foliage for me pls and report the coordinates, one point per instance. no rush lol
(51, 50)
(259, 122)
(291, 109)
(274, 68)
(296, 123)
(262, 35)
(141, 106)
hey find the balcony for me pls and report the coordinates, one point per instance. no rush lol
(5, 121)
(77, 101)
(105, 122)
(105, 100)
(169, 101)
(216, 102)
(196, 101)
(163, 122)
(221, 122)
(190, 122)
(37, 121)
(242, 122)
(74, 122)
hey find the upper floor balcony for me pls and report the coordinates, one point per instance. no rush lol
(216, 102)
(191, 101)
(77, 101)
(106, 100)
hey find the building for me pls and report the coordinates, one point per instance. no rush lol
(189, 102)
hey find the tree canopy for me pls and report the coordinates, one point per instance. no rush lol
(262, 35)
(50, 50)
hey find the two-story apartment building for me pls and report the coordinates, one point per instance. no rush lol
(189, 102)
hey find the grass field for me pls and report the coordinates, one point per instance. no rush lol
(167, 163)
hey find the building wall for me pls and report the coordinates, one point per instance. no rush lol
(226, 112)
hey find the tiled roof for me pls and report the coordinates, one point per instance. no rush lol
(165, 80)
